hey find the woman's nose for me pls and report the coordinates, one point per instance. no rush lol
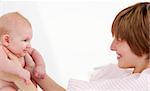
(113, 45)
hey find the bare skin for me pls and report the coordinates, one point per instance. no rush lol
(46, 84)
(19, 82)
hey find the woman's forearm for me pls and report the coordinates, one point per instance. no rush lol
(19, 82)
(47, 84)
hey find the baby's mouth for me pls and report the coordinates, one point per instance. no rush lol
(25, 51)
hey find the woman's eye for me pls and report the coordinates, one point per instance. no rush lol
(119, 39)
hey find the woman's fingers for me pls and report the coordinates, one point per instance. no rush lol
(3, 55)
(9, 54)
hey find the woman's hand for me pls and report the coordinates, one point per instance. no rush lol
(10, 56)
(12, 64)
(7, 56)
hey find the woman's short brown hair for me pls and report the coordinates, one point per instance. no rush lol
(132, 24)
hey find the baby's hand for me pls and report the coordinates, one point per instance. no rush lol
(25, 74)
(39, 72)
(39, 69)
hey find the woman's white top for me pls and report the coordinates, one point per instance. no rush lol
(112, 78)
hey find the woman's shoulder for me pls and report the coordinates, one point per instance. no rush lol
(109, 72)
(102, 81)
(145, 73)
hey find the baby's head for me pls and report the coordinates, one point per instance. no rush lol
(15, 33)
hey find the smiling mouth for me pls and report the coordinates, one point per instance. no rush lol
(118, 56)
(25, 51)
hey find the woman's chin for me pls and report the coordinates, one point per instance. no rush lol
(121, 65)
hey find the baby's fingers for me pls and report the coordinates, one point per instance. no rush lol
(30, 50)
(29, 61)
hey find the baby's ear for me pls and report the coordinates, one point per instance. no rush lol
(5, 40)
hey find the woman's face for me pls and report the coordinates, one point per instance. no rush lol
(126, 58)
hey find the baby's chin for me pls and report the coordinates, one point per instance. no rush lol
(21, 55)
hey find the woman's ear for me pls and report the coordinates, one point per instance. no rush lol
(5, 40)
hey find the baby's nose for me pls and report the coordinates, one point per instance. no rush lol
(28, 46)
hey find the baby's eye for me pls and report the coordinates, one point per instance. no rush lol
(25, 40)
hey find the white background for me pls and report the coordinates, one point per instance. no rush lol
(73, 36)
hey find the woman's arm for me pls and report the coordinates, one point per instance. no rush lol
(47, 84)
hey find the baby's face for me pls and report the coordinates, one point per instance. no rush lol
(20, 40)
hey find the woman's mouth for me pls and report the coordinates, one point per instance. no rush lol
(118, 56)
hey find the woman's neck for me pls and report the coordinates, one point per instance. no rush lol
(148, 66)
(140, 68)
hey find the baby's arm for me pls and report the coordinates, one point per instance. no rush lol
(39, 70)
(12, 66)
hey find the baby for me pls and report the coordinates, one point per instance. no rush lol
(15, 35)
